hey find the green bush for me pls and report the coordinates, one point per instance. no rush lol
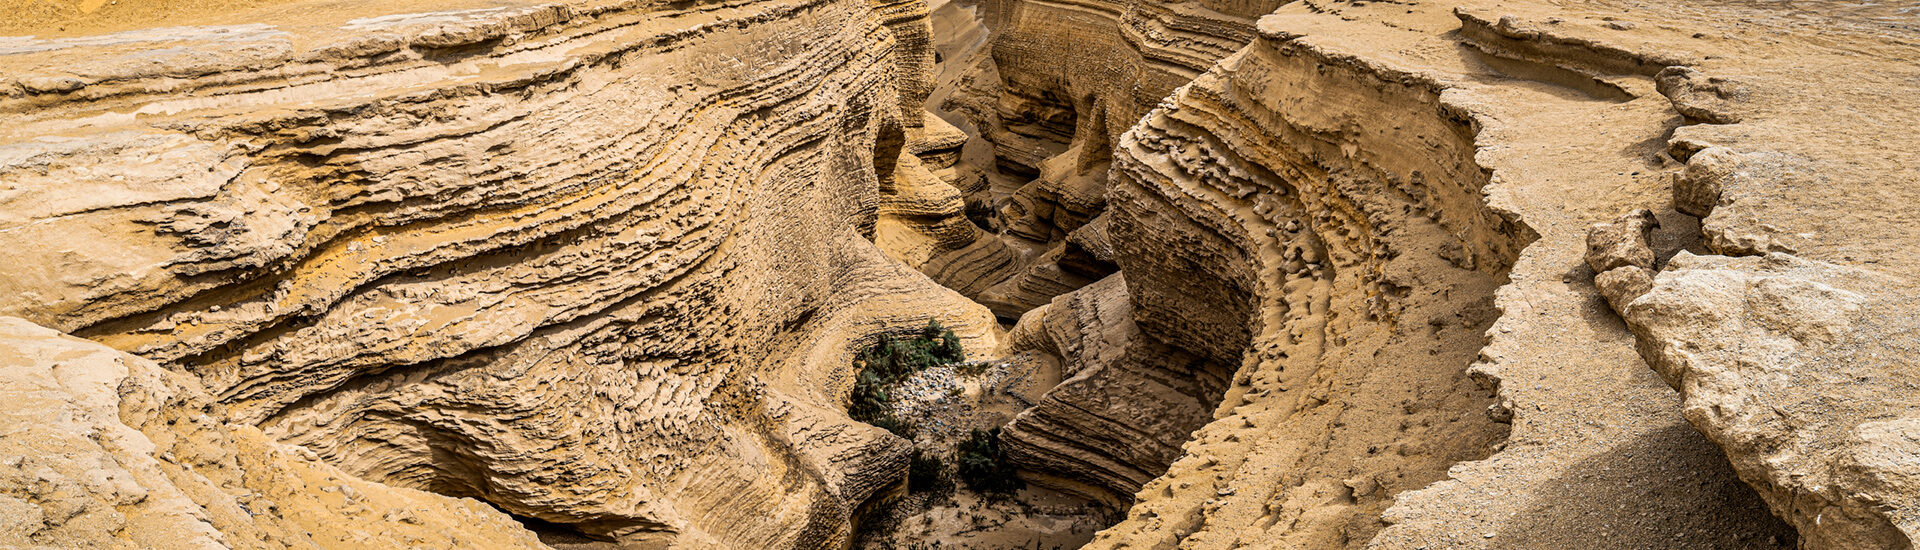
(927, 474)
(983, 465)
(893, 359)
(887, 363)
(870, 400)
(972, 369)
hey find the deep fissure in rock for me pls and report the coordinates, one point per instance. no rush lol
(1328, 285)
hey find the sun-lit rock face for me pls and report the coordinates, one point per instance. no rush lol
(1342, 213)
(1335, 251)
(1802, 371)
(1791, 332)
(1047, 95)
(1317, 274)
(599, 264)
(108, 450)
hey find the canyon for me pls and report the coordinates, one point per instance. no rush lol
(1410, 274)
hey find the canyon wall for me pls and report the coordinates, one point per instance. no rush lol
(1056, 84)
(1342, 210)
(109, 450)
(1318, 274)
(599, 264)
(1060, 84)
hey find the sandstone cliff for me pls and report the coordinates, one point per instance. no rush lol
(1316, 274)
(1326, 207)
(602, 264)
(108, 450)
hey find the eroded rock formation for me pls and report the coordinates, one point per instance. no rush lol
(108, 450)
(1126, 401)
(598, 264)
(1792, 335)
(1802, 372)
(1365, 135)
(1317, 274)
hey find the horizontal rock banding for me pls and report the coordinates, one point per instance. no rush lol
(600, 265)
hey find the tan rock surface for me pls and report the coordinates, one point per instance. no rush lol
(1799, 362)
(1319, 274)
(1598, 454)
(1803, 372)
(603, 264)
(108, 450)
(1126, 402)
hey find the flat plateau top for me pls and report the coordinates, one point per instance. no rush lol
(69, 18)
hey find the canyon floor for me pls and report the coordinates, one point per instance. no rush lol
(1287, 274)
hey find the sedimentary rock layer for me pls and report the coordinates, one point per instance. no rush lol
(1334, 248)
(1597, 453)
(1374, 128)
(1126, 402)
(1062, 83)
(108, 450)
(1791, 333)
(602, 264)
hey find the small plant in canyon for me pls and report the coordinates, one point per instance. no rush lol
(894, 359)
(972, 369)
(926, 473)
(891, 360)
(983, 465)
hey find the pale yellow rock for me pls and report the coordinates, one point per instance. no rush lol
(108, 450)
(1317, 270)
(602, 264)
(1801, 371)
(1622, 242)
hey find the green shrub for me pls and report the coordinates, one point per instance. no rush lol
(983, 465)
(887, 363)
(972, 369)
(927, 474)
(904, 429)
(893, 359)
(869, 397)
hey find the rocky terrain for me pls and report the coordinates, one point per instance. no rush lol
(1308, 274)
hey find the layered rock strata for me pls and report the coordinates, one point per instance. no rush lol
(1426, 147)
(599, 264)
(1598, 453)
(1048, 105)
(1335, 249)
(604, 264)
(108, 450)
(1791, 334)
(1125, 403)
(1318, 104)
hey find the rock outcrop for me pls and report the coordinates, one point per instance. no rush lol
(1058, 85)
(1334, 248)
(1061, 84)
(1406, 161)
(599, 264)
(1126, 402)
(108, 450)
(1802, 372)
(1791, 333)
(1317, 274)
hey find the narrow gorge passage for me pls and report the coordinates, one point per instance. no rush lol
(1305, 261)
(821, 274)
